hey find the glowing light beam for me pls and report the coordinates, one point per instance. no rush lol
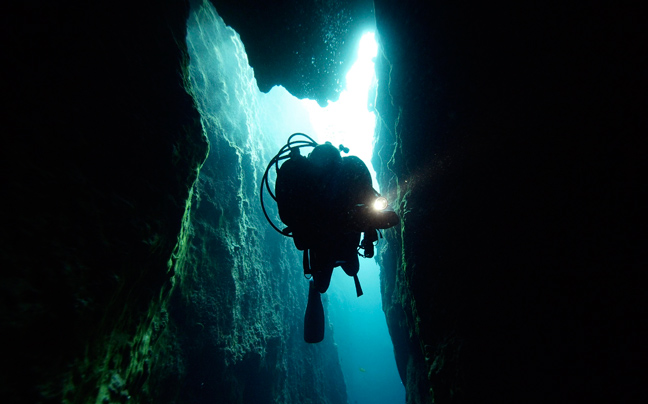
(349, 121)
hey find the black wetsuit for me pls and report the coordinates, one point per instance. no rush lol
(341, 189)
(314, 201)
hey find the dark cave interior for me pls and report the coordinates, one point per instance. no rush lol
(509, 136)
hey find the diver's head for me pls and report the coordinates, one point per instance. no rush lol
(326, 156)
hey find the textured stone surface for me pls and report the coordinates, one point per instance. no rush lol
(307, 46)
(101, 146)
(510, 139)
(240, 296)
(509, 134)
(122, 281)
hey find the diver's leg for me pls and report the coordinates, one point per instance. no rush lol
(349, 254)
(351, 265)
(323, 279)
(322, 269)
(314, 317)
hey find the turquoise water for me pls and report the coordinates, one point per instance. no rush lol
(254, 124)
(365, 348)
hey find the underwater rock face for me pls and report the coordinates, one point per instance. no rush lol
(509, 139)
(508, 136)
(126, 278)
(236, 314)
(307, 46)
(101, 147)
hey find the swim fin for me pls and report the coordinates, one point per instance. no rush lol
(314, 318)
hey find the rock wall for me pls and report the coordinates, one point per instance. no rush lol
(236, 317)
(131, 274)
(307, 46)
(101, 147)
(509, 136)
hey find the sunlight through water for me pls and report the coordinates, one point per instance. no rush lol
(349, 121)
(246, 126)
(359, 326)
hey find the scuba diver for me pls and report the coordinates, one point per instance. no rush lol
(327, 202)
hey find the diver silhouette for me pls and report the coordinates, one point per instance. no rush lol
(327, 202)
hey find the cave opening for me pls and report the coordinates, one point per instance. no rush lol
(250, 126)
(351, 120)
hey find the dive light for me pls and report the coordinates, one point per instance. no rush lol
(380, 203)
